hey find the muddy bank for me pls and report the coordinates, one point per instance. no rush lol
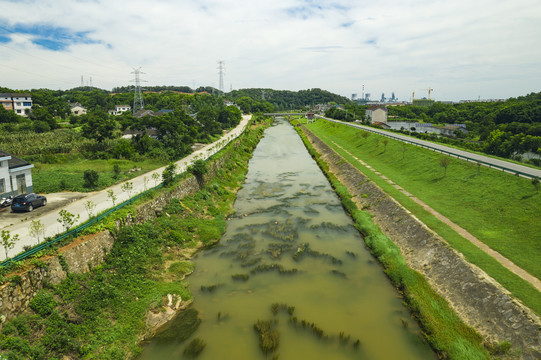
(479, 300)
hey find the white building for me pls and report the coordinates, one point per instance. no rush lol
(119, 109)
(377, 114)
(19, 103)
(15, 175)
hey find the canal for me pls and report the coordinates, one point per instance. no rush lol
(292, 260)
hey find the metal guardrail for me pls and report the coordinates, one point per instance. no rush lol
(77, 230)
(458, 156)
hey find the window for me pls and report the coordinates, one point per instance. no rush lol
(2, 186)
(27, 104)
(19, 111)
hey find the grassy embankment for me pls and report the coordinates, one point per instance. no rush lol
(101, 314)
(498, 208)
(444, 330)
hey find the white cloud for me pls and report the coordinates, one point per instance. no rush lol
(462, 49)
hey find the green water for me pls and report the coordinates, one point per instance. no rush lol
(334, 283)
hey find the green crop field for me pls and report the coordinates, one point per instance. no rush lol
(67, 173)
(500, 209)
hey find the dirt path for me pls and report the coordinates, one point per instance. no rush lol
(505, 262)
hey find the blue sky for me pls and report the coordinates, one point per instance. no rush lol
(461, 49)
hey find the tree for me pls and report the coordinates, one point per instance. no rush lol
(67, 219)
(37, 229)
(199, 169)
(145, 182)
(385, 142)
(169, 174)
(91, 178)
(404, 148)
(128, 188)
(444, 163)
(156, 178)
(8, 241)
(90, 206)
(98, 126)
(116, 171)
(111, 195)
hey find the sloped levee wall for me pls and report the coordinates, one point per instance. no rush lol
(479, 300)
(80, 256)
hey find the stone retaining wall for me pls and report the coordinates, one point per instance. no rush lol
(87, 252)
(479, 300)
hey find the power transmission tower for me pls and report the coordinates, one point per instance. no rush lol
(138, 95)
(82, 82)
(221, 71)
(91, 82)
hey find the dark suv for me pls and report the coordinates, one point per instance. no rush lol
(27, 202)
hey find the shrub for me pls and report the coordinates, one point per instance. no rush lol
(43, 303)
(91, 178)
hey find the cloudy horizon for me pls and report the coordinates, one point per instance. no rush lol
(461, 49)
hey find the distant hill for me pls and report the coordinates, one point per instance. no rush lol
(285, 99)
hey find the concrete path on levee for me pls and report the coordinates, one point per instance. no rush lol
(510, 167)
(505, 262)
(48, 215)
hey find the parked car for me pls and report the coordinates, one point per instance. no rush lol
(27, 202)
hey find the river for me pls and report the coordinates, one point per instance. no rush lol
(290, 242)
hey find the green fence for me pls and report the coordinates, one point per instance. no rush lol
(77, 230)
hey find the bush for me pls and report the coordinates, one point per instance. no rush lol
(43, 303)
(91, 178)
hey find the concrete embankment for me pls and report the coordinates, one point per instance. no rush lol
(480, 301)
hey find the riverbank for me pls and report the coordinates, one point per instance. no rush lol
(443, 328)
(104, 313)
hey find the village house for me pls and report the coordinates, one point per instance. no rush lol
(21, 104)
(15, 175)
(77, 109)
(377, 114)
(119, 109)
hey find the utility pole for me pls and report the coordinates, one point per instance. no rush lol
(221, 71)
(138, 103)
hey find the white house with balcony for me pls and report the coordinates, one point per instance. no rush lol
(15, 175)
(119, 109)
(21, 104)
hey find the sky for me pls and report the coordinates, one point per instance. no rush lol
(462, 49)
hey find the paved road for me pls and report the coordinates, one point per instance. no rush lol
(524, 171)
(102, 201)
